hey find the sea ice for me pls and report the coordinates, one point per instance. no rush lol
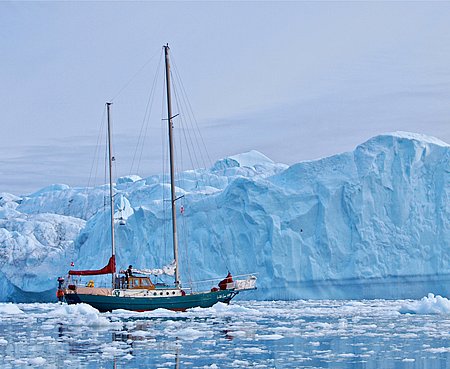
(9, 309)
(430, 304)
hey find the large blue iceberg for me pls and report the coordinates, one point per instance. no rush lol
(372, 223)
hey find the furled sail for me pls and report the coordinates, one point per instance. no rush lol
(167, 270)
(107, 269)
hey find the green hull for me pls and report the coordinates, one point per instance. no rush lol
(179, 303)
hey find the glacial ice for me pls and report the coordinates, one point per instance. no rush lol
(374, 222)
(430, 304)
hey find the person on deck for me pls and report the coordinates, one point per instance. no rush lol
(130, 271)
(223, 284)
(128, 274)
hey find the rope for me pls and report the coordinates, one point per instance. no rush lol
(146, 119)
(191, 112)
(164, 148)
(190, 128)
(133, 77)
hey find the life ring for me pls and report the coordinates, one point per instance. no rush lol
(90, 283)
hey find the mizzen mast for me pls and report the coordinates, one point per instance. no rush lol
(172, 166)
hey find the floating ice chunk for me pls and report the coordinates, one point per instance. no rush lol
(37, 361)
(168, 356)
(3, 342)
(427, 305)
(438, 350)
(252, 350)
(240, 363)
(222, 309)
(264, 337)
(190, 334)
(70, 310)
(9, 309)
(157, 313)
(80, 315)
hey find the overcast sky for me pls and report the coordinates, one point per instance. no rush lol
(294, 80)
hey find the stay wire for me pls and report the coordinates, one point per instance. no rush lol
(95, 161)
(188, 104)
(134, 76)
(196, 129)
(185, 232)
(164, 134)
(145, 121)
(194, 143)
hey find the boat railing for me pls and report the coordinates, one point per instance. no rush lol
(70, 283)
(239, 283)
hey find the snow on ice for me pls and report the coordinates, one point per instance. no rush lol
(374, 222)
(430, 304)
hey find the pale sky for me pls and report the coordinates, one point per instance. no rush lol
(293, 80)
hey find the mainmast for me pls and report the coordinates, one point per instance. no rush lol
(111, 194)
(172, 167)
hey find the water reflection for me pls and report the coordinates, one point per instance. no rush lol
(303, 334)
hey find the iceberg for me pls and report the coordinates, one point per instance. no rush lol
(371, 223)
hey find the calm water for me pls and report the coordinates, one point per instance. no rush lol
(278, 334)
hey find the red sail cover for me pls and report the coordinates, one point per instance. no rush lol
(108, 269)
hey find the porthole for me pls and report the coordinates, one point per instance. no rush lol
(167, 293)
(154, 294)
(173, 293)
(161, 293)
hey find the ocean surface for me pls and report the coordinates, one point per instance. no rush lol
(256, 334)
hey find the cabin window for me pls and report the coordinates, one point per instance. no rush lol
(145, 282)
(136, 283)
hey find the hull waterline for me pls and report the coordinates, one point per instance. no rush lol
(176, 303)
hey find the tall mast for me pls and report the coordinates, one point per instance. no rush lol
(172, 168)
(111, 195)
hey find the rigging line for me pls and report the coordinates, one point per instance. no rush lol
(178, 152)
(95, 162)
(186, 237)
(188, 103)
(187, 139)
(180, 108)
(181, 128)
(179, 168)
(97, 145)
(105, 179)
(133, 77)
(191, 119)
(196, 144)
(164, 134)
(146, 118)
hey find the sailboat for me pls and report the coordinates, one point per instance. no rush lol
(135, 290)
